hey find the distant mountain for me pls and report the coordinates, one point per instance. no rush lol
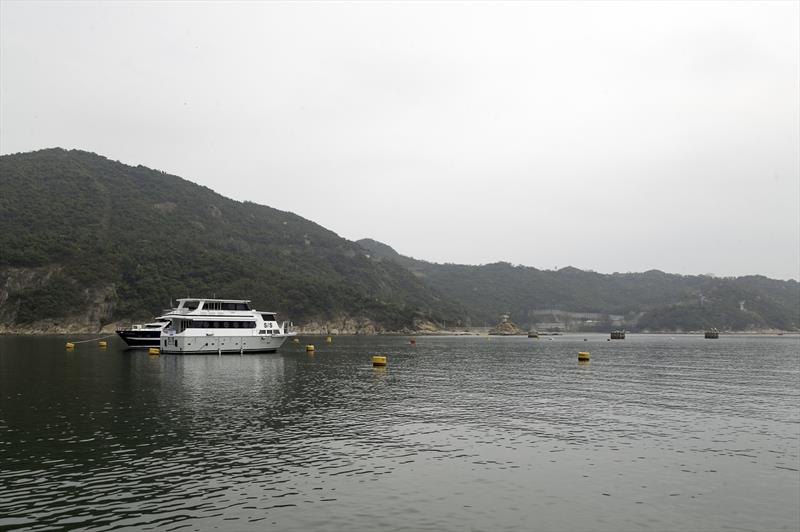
(583, 300)
(86, 242)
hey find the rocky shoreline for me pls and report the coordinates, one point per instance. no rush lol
(341, 326)
(317, 330)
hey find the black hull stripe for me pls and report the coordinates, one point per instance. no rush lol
(139, 340)
(224, 352)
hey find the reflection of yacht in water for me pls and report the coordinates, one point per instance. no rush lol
(145, 335)
(221, 326)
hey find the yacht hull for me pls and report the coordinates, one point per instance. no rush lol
(214, 345)
(140, 338)
(219, 352)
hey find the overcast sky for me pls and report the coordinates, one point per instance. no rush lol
(606, 136)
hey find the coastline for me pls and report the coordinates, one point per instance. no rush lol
(341, 326)
(7, 331)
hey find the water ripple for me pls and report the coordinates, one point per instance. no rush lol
(456, 433)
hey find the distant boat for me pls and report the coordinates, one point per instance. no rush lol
(147, 335)
(533, 334)
(712, 333)
(617, 335)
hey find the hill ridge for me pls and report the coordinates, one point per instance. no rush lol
(87, 242)
(66, 263)
(647, 301)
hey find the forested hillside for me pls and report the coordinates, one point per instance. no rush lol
(86, 241)
(652, 300)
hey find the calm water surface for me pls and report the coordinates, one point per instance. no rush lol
(656, 433)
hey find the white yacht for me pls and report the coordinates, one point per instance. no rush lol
(221, 326)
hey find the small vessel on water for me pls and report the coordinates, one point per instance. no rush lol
(617, 335)
(533, 334)
(147, 335)
(219, 326)
(712, 333)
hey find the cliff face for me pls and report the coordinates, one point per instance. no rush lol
(92, 311)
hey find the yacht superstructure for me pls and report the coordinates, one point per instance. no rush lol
(221, 326)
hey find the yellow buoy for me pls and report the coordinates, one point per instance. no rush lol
(102, 343)
(329, 339)
(583, 355)
(378, 360)
(309, 348)
(70, 345)
(154, 351)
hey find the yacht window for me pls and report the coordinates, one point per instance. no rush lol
(241, 306)
(206, 325)
(229, 306)
(236, 324)
(225, 324)
(191, 305)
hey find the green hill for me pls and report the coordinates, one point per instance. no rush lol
(86, 241)
(652, 300)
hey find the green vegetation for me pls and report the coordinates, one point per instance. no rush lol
(151, 237)
(81, 235)
(653, 300)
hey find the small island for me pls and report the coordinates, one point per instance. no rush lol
(506, 328)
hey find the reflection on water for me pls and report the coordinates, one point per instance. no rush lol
(655, 433)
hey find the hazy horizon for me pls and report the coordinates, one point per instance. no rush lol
(613, 137)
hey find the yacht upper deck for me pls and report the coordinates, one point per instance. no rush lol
(215, 307)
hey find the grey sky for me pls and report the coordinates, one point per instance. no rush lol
(607, 136)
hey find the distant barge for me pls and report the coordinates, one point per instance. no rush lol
(712, 334)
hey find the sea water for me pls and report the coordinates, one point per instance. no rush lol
(657, 432)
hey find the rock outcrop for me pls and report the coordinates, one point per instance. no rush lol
(506, 328)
